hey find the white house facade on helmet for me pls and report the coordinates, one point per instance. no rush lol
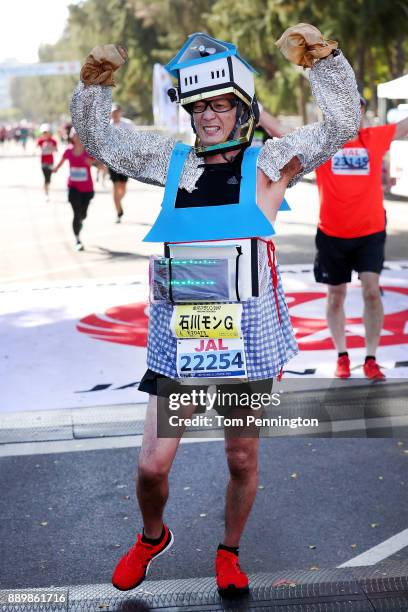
(207, 67)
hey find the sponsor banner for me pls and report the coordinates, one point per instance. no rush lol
(165, 112)
(85, 344)
(40, 69)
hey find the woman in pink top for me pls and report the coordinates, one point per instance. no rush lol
(80, 184)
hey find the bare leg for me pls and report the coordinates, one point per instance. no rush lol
(119, 190)
(373, 310)
(336, 318)
(242, 457)
(155, 461)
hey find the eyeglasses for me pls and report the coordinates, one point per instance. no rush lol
(222, 105)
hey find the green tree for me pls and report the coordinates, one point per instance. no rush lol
(370, 32)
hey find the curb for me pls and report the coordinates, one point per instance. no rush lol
(361, 589)
(342, 410)
(72, 424)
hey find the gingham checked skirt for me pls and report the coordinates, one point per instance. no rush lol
(269, 343)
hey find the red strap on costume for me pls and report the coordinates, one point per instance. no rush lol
(270, 247)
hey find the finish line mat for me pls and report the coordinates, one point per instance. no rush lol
(71, 345)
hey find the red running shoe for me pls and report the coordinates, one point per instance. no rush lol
(231, 580)
(343, 367)
(133, 567)
(372, 370)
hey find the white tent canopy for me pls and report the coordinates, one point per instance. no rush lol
(394, 90)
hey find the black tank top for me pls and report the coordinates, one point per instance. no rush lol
(219, 184)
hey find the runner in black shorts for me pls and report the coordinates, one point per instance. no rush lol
(119, 180)
(351, 235)
(80, 183)
(48, 146)
(336, 258)
(116, 177)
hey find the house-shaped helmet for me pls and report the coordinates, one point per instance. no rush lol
(207, 67)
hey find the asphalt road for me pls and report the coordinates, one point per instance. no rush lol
(36, 240)
(68, 517)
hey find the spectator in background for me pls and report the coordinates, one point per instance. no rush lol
(3, 134)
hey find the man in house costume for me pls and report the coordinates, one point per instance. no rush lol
(220, 201)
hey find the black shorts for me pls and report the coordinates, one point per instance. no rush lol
(46, 170)
(79, 198)
(163, 386)
(116, 177)
(336, 258)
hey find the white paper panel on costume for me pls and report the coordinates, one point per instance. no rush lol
(243, 76)
(204, 75)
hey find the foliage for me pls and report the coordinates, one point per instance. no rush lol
(370, 32)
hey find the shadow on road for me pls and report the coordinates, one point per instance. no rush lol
(110, 254)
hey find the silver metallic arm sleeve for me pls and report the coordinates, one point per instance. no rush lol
(143, 156)
(335, 90)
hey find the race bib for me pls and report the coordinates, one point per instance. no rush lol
(206, 321)
(47, 149)
(209, 357)
(352, 161)
(78, 174)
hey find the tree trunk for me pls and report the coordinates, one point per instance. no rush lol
(400, 56)
(371, 78)
(390, 61)
(361, 53)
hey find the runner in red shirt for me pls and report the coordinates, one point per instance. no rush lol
(48, 146)
(351, 235)
(80, 184)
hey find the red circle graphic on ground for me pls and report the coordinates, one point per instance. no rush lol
(127, 324)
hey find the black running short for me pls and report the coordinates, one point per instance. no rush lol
(336, 258)
(163, 386)
(79, 198)
(116, 177)
(46, 170)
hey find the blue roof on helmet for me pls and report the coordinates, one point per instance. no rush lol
(190, 55)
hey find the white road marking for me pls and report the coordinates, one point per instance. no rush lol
(380, 552)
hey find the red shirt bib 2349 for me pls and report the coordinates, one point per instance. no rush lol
(350, 190)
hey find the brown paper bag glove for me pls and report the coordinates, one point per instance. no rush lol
(101, 63)
(302, 44)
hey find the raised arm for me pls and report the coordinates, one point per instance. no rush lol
(269, 123)
(335, 90)
(141, 155)
(58, 166)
